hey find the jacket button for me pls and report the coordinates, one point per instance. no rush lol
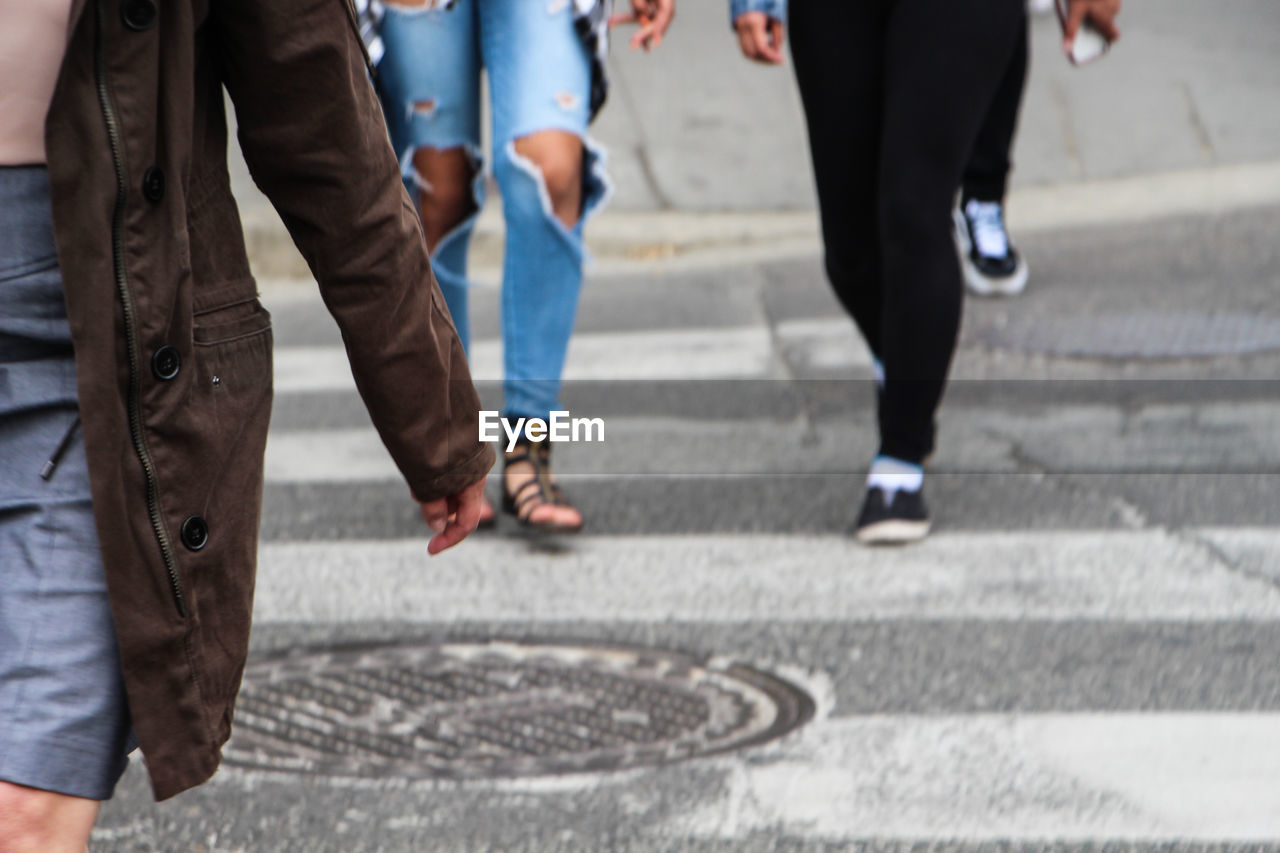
(153, 184)
(138, 15)
(165, 363)
(195, 533)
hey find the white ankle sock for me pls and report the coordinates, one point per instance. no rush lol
(892, 475)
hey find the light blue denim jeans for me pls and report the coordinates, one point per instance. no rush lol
(539, 79)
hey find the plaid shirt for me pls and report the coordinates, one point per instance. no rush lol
(590, 19)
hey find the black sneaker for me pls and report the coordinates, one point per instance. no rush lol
(903, 519)
(992, 267)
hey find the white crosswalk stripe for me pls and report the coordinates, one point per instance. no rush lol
(682, 354)
(1088, 776)
(1017, 777)
(1077, 575)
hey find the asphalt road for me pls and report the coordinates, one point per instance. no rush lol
(1082, 657)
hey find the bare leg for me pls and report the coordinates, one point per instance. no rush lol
(558, 155)
(37, 821)
(444, 183)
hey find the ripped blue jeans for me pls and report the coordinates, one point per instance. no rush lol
(539, 79)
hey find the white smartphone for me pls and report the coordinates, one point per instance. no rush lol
(1089, 44)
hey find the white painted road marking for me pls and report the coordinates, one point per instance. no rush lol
(739, 352)
(1054, 575)
(1062, 777)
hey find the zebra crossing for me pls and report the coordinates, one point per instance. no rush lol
(1082, 654)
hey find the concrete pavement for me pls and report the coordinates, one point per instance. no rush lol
(1180, 117)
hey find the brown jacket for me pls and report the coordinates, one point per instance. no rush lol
(173, 350)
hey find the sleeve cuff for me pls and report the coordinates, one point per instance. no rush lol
(457, 479)
(772, 8)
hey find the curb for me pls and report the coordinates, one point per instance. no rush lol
(621, 240)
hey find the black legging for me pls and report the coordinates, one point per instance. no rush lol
(894, 92)
(986, 176)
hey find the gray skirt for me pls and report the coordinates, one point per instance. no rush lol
(64, 720)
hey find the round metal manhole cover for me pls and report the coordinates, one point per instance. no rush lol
(489, 710)
(1145, 334)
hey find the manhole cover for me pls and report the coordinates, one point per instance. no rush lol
(478, 710)
(1145, 334)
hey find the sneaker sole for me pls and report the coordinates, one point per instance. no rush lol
(893, 532)
(983, 285)
(977, 283)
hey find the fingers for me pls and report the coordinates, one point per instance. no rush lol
(746, 43)
(436, 514)
(746, 28)
(760, 37)
(663, 13)
(638, 8)
(1071, 26)
(463, 516)
(643, 36)
(1101, 14)
(768, 49)
(1106, 24)
(452, 535)
(653, 18)
(639, 11)
(469, 504)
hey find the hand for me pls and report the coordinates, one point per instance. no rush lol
(452, 518)
(1100, 13)
(653, 17)
(761, 37)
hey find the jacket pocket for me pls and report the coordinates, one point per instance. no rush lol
(208, 454)
(242, 319)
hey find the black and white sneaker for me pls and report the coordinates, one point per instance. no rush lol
(992, 266)
(897, 520)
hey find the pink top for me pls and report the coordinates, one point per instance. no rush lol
(33, 39)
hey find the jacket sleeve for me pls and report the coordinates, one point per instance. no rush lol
(772, 8)
(313, 136)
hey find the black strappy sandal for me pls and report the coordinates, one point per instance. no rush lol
(535, 492)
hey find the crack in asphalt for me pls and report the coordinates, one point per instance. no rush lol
(1224, 560)
(806, 414)
(1131, 514)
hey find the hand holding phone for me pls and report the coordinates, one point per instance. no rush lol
(1088, 27)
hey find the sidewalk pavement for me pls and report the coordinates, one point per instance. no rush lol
(708, 151)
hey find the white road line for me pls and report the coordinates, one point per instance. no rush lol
(723, 353)
(1253, 551)
(1232, 438)
(328, 456)
(744, 352)
(632, 446)
(825, 343)
(1056, 575)
(1059, 777)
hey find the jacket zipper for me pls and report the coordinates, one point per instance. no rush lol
(130, 329)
